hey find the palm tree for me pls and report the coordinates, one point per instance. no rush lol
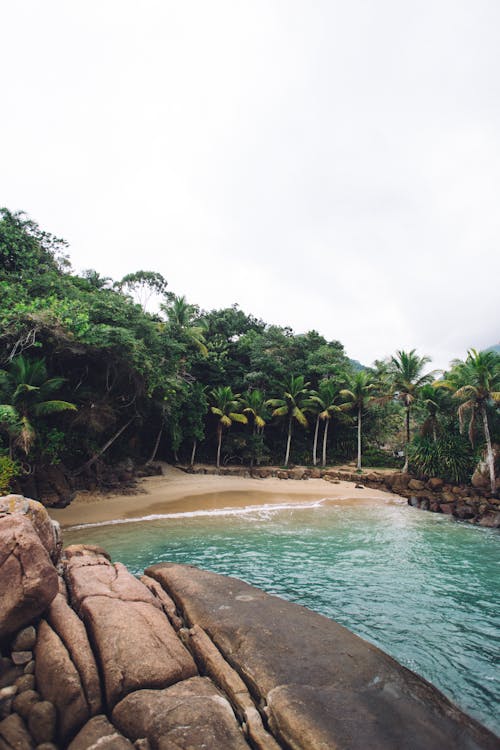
(325, 405)
(476, 382)
(358, 396)
(26, 393)
(254, 404)
(406, 370)
(181, 319)
(291, 406)
(226, 407)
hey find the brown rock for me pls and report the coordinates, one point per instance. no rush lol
(100, 733)
(47, 530)
(25, 682)
(447, 508)
(324, 686)
(123, 630)
(168, 605)
(29, 668)
(374, 477)
(8, 672)
(28, 580)
(490, 520)
(25, 640)
(71, 630)
(14, 735)
(59, 682)
(42, 722)
(93, 575)
(399, 481)
(191, 714)
(416, 484)
(230, 683)
(21, 658)
(435, 484)
(24, 702)
(124, 620)
(47, 746)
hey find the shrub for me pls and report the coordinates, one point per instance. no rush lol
(8, 470)
(450, 457)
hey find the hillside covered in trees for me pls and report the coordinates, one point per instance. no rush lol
(91, 375)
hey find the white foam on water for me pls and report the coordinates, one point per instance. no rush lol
(264, 511)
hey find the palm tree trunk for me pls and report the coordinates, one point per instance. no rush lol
(359, 438)
(325, 440)
(405, 467)
(489, 449)
(260, 432)
(156, 446)
(315, 444)
(289, 441)
(105, 447)
(219, 437)
(193, 453)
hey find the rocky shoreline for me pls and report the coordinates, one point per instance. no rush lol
(181, 659)
(475, 505)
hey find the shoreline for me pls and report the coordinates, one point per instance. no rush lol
(178, 492)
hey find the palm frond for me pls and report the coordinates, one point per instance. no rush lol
(52, 407)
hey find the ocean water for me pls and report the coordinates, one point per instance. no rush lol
(422, 587)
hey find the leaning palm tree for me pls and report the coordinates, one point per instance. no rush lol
(291, 406)
(25, 391)
(358, 397)
(227, 408)
(476, 383)
(406, 371)
(325, 404)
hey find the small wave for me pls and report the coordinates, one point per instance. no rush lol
(265, 511)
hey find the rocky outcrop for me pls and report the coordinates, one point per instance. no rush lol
(358, 697)
(190, 714)
(28, 579)
(124, 619)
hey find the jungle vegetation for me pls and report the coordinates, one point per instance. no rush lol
(92, 372)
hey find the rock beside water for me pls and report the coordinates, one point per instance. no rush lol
(188, 659)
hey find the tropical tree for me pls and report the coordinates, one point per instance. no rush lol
(407, 377)
(26, 392)
(358, 396)
(292, 406)
(476, 383)
(325, 403)
(181, 320)
(226, 406)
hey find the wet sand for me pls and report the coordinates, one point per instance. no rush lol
(178, 492)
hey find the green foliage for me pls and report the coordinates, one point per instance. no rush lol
(9, 469)
(378, 458)
(449, 457)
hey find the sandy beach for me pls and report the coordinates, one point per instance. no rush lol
(178, 492)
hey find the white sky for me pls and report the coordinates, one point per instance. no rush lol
(327, 164)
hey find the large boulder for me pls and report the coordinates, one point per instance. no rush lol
(47, 529)
(322, 686)
(191, 714)
(58, 681)
(100, 734)
(134, 643)
(28, 579)
(71, 630)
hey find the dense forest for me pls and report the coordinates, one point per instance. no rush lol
(95, 371)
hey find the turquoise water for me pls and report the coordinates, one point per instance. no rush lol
(418, 585)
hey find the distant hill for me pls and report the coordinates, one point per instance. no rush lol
(495, 348)
(357, 365)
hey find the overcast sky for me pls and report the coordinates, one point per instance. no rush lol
(325, 164)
